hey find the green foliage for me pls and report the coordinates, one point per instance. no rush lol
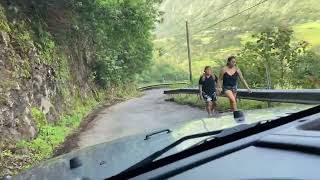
(113, 38)
(3, 21)
(309, 32)
(201, 14)
(50, 136)
(6, 154)
(276, 57)
(105, 42)
(119, 33)
(22, 44)
(106, 72)
(306, 73)
(47, 47)
(22, 37)
(39, 117)
(227, 38)
(7, 84)
(162, 72)
(3, 100)
(63, 72)
(126, 91)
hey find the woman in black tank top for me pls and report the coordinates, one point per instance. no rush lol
(227, 84)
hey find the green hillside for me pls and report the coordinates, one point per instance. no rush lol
(212, 44)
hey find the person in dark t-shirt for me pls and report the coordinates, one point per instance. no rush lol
(207, 88)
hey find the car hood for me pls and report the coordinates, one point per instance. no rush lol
(110, 158)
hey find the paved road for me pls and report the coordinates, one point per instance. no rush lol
(137, 115)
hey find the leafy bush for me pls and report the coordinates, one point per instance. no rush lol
(275, 60)
(119, 33)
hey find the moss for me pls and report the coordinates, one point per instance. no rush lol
(25, 69)
(21, 38)
(63, 70)
(47, 46)
(3, 21)
(39, 117)
(4, 26)
(7, 84)
(3, 100)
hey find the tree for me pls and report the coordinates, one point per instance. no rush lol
(274, 51)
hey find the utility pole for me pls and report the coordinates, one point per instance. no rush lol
(189, 52)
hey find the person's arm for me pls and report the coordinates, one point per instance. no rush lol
(216, 80)
(243, 80)
(200, 88)
(220, 79)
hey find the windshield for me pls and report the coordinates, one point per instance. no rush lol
(112, 82)
(227, 121)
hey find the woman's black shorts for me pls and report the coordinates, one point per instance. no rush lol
(227, 88)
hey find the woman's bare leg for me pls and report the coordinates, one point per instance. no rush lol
(232, 99)
(214, 105)
(209, 108)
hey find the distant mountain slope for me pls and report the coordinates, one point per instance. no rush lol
(202, 13)
(212, 45)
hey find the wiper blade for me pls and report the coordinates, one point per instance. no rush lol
(228, 131)
(216, 134)
(157, 154)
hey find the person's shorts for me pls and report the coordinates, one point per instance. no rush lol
(229, 88)
(209, 98)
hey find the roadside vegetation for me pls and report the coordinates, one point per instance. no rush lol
(28, 153)
(95, 49)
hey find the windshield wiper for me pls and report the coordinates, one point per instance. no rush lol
(216, 134)
(159, 153)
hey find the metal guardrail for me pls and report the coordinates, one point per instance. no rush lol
(303, 96)
(161, 85)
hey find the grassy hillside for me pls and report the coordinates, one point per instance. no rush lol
(212, 45)
(309, 32)
(205, 12)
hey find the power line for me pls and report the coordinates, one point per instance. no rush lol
(230, 17)
(216, 10)
(223, 20)
(202, 45)
(171, 48)
(221, 8)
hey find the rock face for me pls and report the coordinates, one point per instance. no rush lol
(28, 79)
(18, 95)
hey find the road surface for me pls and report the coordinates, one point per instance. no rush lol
(138, 115)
